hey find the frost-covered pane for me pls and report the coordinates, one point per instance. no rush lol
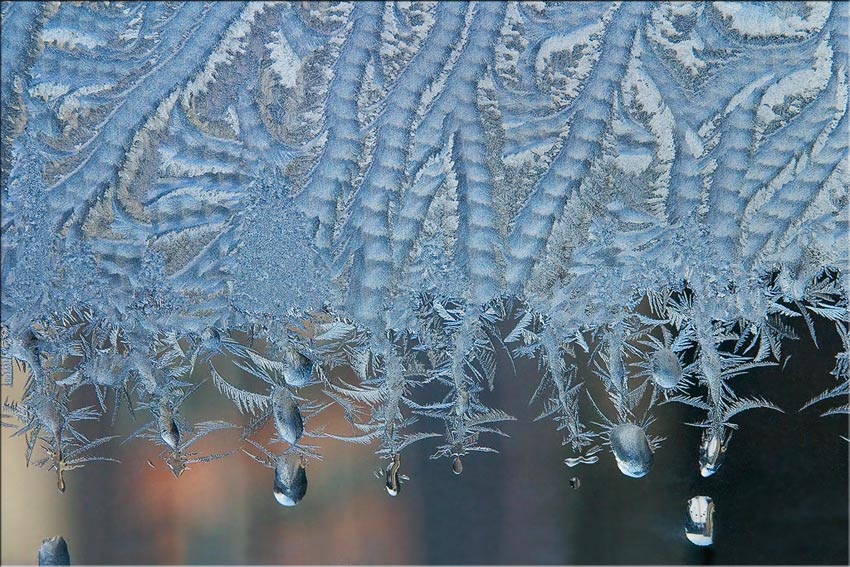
(363, 206)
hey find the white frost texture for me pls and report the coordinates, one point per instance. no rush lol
(363, 205)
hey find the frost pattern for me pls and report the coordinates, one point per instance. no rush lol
(363, 204)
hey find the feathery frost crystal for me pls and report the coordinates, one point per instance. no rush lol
(362, 204)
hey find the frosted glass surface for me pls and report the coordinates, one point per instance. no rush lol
(365, 208)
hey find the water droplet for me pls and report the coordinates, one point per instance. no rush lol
(393, 482)
(457, 465)
(575, 483)
(54, 551)
(287, 417)
(711, 452)
(290, 481)
(60, 480)
(699, 527)
(297, 368)
(581, 460)
(665, 368)
(631, 450)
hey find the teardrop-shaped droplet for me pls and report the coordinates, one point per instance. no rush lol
(297, 368)
(575, 483)
(290, 481)
(393, 482)
(711, 452)
(631, 450)
(665, 368)
(699, 527)
(287, 417)
(54, 551)
(168, 430)
(457, 465)
(60, 480)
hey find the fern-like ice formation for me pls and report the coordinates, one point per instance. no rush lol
(363, 204)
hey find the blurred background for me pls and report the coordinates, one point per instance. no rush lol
(781, 496)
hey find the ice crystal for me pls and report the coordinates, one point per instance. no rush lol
(365, 204)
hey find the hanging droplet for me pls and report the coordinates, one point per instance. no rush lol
(457, 465)
(168, 430)
(287, 417)
(665, 368)
(393, 482)
(699, 527)
(631, 450)
(297, 368)
(60, 480)
(54, 551)
(575, 483)
(711, 452)
(290, 481)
